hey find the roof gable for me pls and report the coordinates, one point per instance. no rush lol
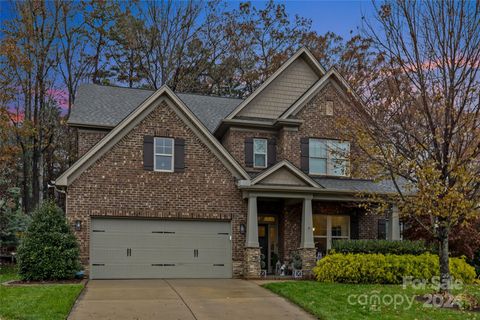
(286, 174)
(281, 89)
(135, 117)
(332, 74)
(106, 106)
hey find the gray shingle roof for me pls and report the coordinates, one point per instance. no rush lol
(106, 106)
(210, 110)
(358, 185)
(353, 185)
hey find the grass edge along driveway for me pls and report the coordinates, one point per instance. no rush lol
(331, 301)
(49, 302)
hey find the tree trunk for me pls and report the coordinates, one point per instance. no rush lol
(26, 183)
(40, 178)
(35, 180)
(444, 260)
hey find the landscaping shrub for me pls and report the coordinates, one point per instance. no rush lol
(49, 250)
(386, 269)
(380, 246)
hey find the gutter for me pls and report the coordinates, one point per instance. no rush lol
(92, 126)
(246, 186)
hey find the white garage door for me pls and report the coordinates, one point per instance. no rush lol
(129, 249)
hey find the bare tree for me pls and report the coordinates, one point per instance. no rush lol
(74, 65)
(98, 17)
(169, 28)
(260, 40)
(420, 120)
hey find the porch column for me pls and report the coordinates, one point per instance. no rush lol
(393, 232)
(307, 224)
(252, 223)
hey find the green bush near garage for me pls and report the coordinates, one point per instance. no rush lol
(380, 246)
(387, 269)
(49, 250)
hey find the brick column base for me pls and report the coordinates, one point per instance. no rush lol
(309, 260)
(251, 263)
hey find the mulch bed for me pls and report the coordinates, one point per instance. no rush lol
(33, 283)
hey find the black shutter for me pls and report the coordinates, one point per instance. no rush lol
(249, 152)
(304, 161)
(272, 151)
(354, 227)
(179, 155)
(148, 153)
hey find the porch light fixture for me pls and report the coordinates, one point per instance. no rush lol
(242, 229)
(78, 225)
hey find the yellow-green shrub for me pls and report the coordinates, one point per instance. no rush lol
(379, 268)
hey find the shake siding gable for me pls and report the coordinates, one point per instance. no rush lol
(279, 95)
(283, 177)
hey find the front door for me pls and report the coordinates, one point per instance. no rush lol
(268, 241)
(263, 242)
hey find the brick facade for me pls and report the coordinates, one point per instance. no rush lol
(316, 124)
(290, 229)
(290, 223)
(88, 138)
(234, 142)
(118, 186)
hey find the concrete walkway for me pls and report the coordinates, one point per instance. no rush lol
(189, 299)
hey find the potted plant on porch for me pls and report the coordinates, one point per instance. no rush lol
(296, 263)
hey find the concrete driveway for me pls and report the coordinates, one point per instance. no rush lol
(188, 299)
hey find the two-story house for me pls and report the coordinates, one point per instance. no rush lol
(184, 185)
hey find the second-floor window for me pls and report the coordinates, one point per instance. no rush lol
(260, 153)
(163, 154)
(329, 157)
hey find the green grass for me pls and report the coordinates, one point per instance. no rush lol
(35, 302)
(331, 301)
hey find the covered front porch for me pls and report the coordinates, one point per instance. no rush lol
(293, 215)
(284, 227)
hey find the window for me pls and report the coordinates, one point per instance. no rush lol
(260, 153)
(329, 157)
(163, 154)
(327, 228)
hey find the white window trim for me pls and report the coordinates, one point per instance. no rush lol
(266, 152)
(329, 236)
(329, 158)
(155, 154)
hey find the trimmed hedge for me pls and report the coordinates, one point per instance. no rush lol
(386, 269)
(49, 250)
(380, 246)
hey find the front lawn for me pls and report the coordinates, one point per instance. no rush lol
(358, 301)
(35, 302)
